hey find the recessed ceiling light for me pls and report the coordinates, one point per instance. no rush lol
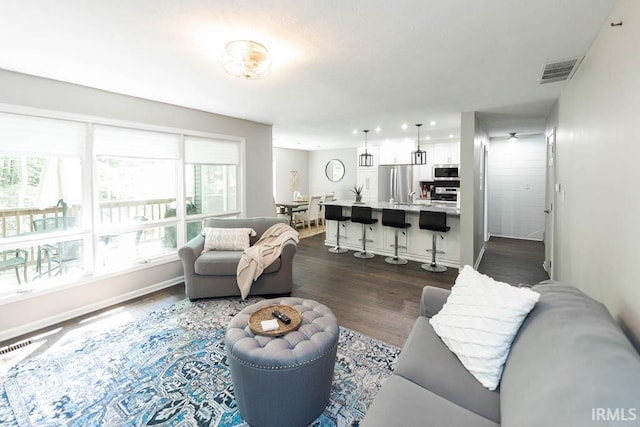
(355, 131)
(451, 135)
(378, 129)
(432, 123)
(428, 137)
(404, 126)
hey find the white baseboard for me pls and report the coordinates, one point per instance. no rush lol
(61, 317)
(477, 263)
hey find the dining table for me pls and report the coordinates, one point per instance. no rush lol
(290, 206)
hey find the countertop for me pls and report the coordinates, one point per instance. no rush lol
(422, 205)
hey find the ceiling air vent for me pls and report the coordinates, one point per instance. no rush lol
(559, 70)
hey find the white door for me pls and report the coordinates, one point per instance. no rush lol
(549, 203)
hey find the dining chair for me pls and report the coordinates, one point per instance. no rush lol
(326, 197)
(280, 211)
(312, 213)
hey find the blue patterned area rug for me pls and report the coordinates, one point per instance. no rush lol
(170, 369)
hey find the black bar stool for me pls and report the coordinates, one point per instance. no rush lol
(395, 218)
(362, 215)
(436, 222)
(334, 213)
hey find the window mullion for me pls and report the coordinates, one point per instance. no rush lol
(181, 202)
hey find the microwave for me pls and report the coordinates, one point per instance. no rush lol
(446, 172)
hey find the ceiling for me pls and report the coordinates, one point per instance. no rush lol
(337, 66)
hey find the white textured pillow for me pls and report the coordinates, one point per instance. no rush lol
(226, 239)
(479, 321)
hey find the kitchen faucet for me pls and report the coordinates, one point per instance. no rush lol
(413, 193)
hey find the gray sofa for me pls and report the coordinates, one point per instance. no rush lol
(213, 273)
(569, 365)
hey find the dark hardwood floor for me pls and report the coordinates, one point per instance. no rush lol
(514, 261)
(370, 296)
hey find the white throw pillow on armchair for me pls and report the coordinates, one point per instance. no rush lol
(480, 320)
(227, 239)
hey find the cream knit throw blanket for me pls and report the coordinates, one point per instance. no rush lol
(262, 254)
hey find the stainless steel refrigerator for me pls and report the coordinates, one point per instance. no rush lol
(395, 181)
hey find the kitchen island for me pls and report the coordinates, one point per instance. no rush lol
(416, 242)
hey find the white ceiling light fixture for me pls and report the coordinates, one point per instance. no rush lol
(247, 59)
(419, 157)
(432, 123)
(512, 137)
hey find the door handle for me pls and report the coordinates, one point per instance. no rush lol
(547, 211)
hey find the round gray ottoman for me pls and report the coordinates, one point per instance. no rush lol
(286, 380)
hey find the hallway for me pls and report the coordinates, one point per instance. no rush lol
(514, 261)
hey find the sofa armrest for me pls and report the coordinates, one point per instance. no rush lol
(288, 251)
(189, 252)
(432, 300)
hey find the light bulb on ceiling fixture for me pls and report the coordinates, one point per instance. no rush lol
(512, 137)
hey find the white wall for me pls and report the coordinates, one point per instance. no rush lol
(318, 181)
(516, 187)
(597, 233)
(286, 161)
(20, 91)
(473, 139)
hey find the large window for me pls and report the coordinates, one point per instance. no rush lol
(211, 180)
(41, 210)
(79, 198)
(136, 183)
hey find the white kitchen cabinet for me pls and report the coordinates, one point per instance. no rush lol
(332, 229)
(368, 179)
(374, 235)
(425, 172)
(389, 239)
(446, 153)
(454, 152)
(395, 154)
(419, 241)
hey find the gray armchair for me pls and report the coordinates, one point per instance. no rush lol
(213, 274)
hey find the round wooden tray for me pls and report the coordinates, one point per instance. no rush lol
(265, 314)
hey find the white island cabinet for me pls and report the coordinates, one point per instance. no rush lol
(416, 241)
